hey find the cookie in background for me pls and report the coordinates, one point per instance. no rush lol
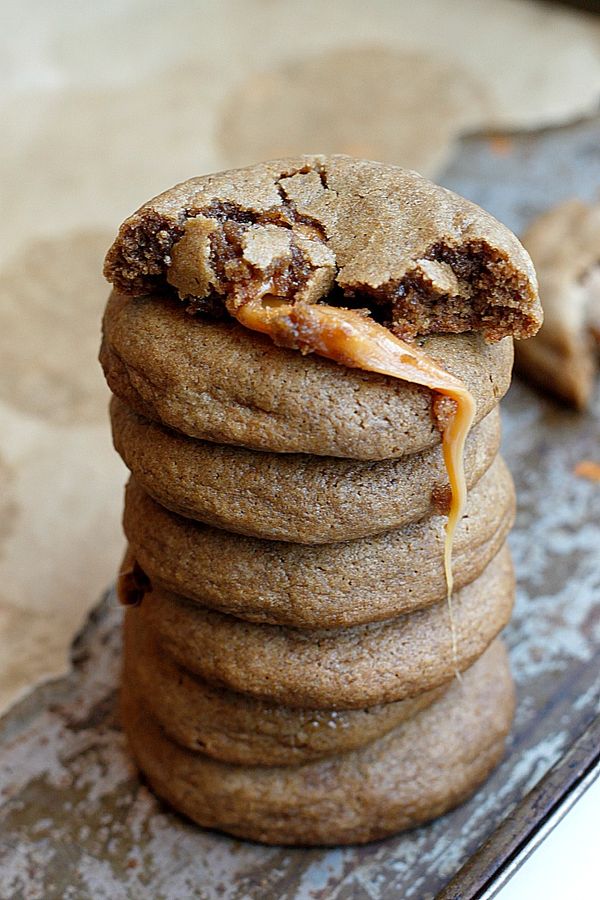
(563, 358)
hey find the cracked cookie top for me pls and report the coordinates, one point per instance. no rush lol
(355, 233)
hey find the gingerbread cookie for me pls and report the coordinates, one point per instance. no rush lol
(421, 258)
(265, 495)
(220, 382)
(364, 665)
(239, 729)
(325, 586)
(564, 244)
(421, 769)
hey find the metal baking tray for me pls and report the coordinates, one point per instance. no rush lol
(75, 821)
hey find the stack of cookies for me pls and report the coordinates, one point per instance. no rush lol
(291, 659)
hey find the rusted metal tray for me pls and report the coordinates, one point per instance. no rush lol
(76, 822)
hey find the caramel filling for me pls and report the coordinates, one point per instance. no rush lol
(354, 340)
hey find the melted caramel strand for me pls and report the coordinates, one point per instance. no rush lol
(357, 341)
(453, 444)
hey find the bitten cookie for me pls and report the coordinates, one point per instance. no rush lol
(422, 768)
(364, 665)
(324, 586)
(291, 497)
(422, 258)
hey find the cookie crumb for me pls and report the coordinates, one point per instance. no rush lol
(132, 584)
(589, 469)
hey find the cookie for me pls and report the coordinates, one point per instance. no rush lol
(420, 257)
(325, 586)
(220, 382)
(290, 497)
(239, 729)
(346, 668)
(562, 358)
(418, 771)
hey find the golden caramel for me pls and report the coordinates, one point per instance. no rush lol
(355, 340)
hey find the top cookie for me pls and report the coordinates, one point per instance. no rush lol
(420, 258)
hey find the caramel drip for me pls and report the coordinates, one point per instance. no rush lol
(352, 339)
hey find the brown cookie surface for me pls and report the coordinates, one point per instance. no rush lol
(562, 358)
(220, 382)
(242, 730)
(422, 768)
(290, 497)
(420, 257)
(363, 665)
(324, 586)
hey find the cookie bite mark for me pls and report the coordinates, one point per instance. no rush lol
(454, 289)
(240, 257)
